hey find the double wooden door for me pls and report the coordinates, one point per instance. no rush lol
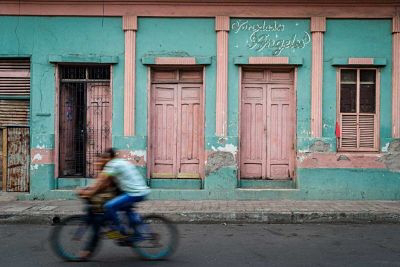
(267, 126)
(176, 130)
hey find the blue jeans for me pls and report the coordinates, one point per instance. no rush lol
(122, 202)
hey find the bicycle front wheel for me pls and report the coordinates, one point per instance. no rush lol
(158, 238)
(72, 236)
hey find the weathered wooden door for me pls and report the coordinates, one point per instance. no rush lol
(98, 123)
(189, 130)
(267, 125)
(18, 159)
(176, 130)
(164, 130)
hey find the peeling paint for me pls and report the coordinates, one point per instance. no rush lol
(139, 153)
(386, 147)
(37, 157)
(34, 167)
(227, 148)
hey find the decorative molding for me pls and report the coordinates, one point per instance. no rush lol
(42, 156)
(318, 24)
(197, 60)
(222, 23)
(193, 8)
(282, 60)
(361, 61)
(345, 61)
(396, 24)
(222, 78)
(129, 23)
(268, 60)
(396, 86)
(317, 74)
(83, 59)
(175, 61)
(130, 27)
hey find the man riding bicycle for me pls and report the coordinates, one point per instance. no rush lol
(128, 180)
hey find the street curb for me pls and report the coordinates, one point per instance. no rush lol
(231, 217)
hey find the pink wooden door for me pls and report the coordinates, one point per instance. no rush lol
(253, 131)
(280, 131)
(267, 125)
(164, 128)
(98, 123)
(189, 130)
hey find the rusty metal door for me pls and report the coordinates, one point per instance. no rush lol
(18, 159)
(98, 123)
(267, 124)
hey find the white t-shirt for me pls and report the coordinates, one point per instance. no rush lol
(127, 177)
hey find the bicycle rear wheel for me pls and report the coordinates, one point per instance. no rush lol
(158, 238)
(71, 236)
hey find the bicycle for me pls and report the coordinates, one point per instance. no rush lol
(80, 229)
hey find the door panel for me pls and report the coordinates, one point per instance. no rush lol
(280, 135)
(253, 126)
(18, 159)
(164, 124)
(98, 124)
(189, 129)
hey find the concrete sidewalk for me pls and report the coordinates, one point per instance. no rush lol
(278, 211)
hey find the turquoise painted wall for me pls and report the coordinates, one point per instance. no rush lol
(40, 37)
(258, 37)
(357, 38)
(171, 37)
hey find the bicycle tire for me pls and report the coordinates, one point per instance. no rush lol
(150, 225)
(60, 244)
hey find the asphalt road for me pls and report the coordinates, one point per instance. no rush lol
(228, 245)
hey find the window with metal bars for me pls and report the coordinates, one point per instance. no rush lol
(358, 110)
(85, 114)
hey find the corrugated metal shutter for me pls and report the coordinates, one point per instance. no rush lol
(14, 77)
(14, 113)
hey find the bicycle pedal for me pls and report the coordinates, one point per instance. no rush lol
(115, 235)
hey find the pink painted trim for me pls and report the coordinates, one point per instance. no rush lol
(129, 23)
(56, 124)
(42, 156)
(129, 83)
(396, 86)
(268, 60)
(396, 24)
(222, 84)
(316, 83)
(175, 61)
(361, 61)
(318, 24)
(222, 23)
(264, 9)
(332, 160)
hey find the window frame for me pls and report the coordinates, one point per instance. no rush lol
(377, 108)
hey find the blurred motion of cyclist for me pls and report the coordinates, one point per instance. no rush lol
(130, 183)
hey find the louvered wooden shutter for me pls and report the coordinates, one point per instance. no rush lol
(349, 131)
(14, 78)
(367, 130)
(358, 132)
(14, 82)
